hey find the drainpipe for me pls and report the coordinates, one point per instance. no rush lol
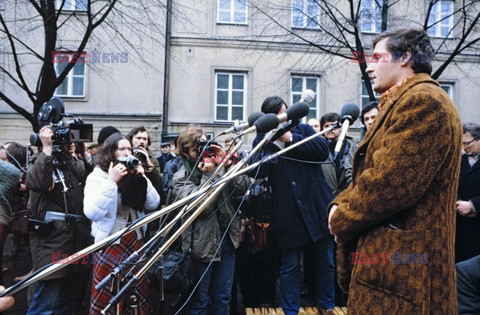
(166, 75)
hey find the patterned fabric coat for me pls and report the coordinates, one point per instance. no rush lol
(398, 214)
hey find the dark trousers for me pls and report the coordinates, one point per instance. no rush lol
(257, 273)
(58, 296)
(468, 286)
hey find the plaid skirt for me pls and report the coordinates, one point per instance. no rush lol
(104, 263)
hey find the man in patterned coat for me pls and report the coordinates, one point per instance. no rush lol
(395, 224)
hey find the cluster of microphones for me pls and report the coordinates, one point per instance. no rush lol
(271, 124)
(260, 122)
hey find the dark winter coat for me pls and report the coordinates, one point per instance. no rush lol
(301, 194)
(46, 195)
(467, 240)
(339, 177)
(402, 200)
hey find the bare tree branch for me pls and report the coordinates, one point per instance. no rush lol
(458, 49)
(23, 85)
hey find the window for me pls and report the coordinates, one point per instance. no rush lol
(440, 21)
(230, 96)
(447, 87)
(232, 11)
(300, 84)
(306, 14)
(71, 5)
(74, 83)
(365, 97)
(2, 4)
(371, 16)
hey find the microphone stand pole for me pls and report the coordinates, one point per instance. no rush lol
(151, 245)
(53, 267)
(152, 217)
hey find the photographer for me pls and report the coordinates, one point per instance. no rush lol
(116, 193)
(48, 170)
(140, 142)
(210, 226)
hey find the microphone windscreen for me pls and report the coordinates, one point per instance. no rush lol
(267, 122)
(308, 95)
(350, 109)
(297, 110)
(253, 117)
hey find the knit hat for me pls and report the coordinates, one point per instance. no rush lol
(106, 132)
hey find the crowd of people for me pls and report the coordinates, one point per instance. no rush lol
(401, 188)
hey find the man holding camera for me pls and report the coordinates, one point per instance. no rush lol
(54, 179)
(141, 141)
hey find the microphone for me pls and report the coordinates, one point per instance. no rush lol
(307, 96)
(296, 111)
(266, 123)
(349, 114)
(271, 121)
(293, 115)
(236, 128)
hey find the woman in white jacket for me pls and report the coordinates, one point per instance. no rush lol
(115, 196)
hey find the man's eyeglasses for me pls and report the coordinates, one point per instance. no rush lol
(468, 142)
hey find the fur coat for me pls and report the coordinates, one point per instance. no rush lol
(398, 215)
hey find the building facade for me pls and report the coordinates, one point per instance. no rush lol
(226, 56)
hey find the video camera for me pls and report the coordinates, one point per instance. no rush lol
(51, 113)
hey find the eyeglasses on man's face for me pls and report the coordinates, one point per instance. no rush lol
(469, 142)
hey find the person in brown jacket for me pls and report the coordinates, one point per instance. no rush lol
(395, 224)
(63, 291)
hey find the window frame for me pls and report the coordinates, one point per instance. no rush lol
(373, 8)
(304, 78)
(305, 16)
(70, 76)
(436, 25)
(450, 85)
(72, 3)
(230, 91)
(232, 13)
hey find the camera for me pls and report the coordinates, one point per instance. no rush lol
(51, 113)
(139, 155)
(204, 148)
(130, 161)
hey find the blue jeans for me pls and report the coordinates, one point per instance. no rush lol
(58, 296)
(290, 276)
(216, 284)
